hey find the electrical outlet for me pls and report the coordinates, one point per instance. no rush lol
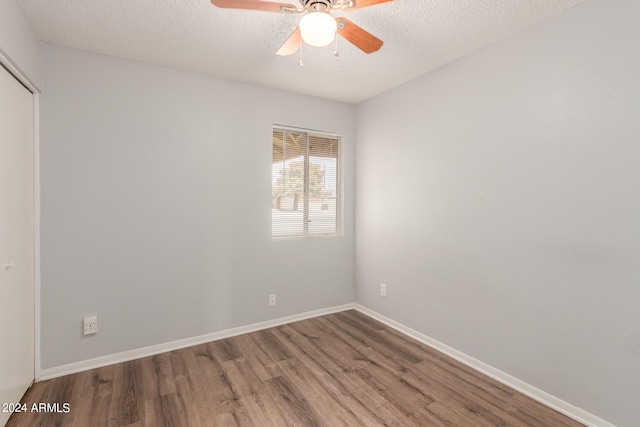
(383, 290)
(272, 300)
(91, 325)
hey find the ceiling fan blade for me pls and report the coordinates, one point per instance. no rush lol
(254, 5)
(362, 39)
(366, 3)
(292, 44)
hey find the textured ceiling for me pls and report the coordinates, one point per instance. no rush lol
(419, 36)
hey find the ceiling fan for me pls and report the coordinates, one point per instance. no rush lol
(317, 27)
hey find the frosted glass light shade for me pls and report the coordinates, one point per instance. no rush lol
(318, 29)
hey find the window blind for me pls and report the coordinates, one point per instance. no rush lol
(306, 183)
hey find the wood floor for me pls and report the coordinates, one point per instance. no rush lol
(342, 369)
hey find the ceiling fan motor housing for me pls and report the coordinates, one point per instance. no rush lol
(317, 5)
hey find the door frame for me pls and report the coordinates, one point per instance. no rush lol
(6, 63)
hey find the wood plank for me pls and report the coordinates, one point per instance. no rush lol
(131, 404)
(297, 409)
(157, 375)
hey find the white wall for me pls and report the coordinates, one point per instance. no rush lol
(156, 206)
(499, 200)
(19, 43)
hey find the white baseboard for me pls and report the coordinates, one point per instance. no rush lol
(125, 356)
(535, 393)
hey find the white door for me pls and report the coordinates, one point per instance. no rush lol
(16, 241)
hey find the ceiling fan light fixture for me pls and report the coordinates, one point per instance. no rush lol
(318, 29)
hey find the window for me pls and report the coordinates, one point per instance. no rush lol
(306, 182)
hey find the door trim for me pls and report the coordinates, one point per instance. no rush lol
(15, 71)
(36, 233)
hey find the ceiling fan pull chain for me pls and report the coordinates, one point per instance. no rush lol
(336, 53)
(301, 63)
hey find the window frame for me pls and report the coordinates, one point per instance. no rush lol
(339, 187)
